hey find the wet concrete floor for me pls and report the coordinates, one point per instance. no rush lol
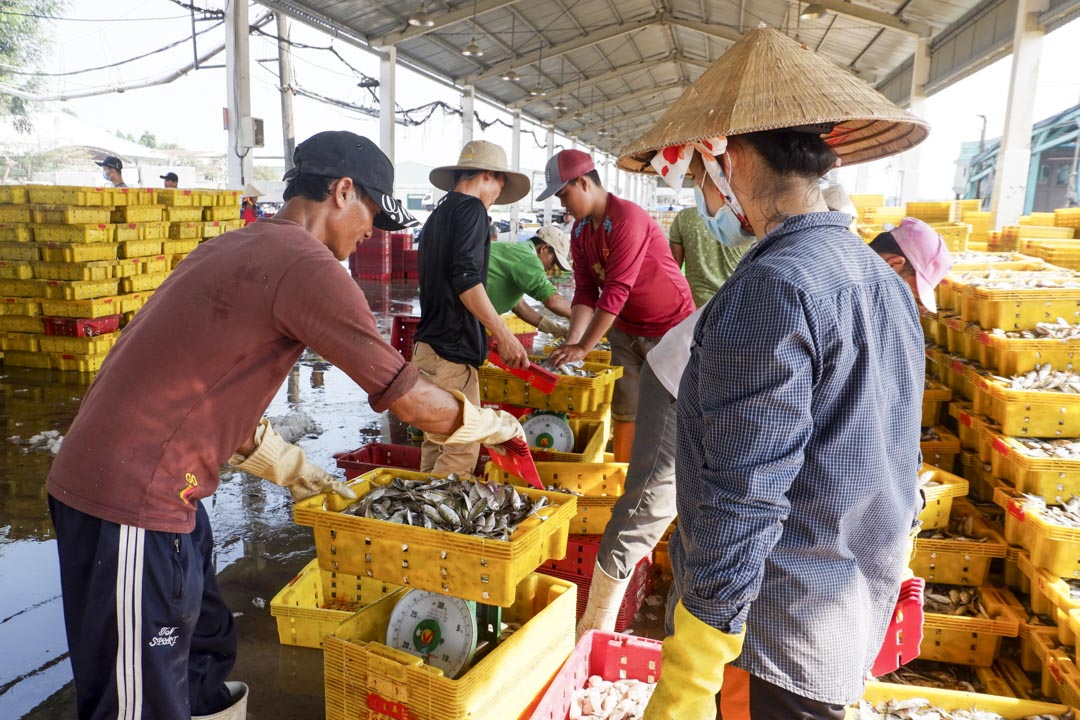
(258, 548)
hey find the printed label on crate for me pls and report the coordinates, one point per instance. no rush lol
(384, 708)
(1016, 510)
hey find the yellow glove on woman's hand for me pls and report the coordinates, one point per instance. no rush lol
(692, 669)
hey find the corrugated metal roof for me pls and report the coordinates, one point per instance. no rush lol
(615, 63)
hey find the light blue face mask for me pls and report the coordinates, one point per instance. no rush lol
(724, 226)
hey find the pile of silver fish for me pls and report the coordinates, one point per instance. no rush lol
(929, 435)
(488, 510)
(974, 256)
(561, 489)
(604, 345)
(1033, 618)
(923, 709)
(1065, 515)
(929, 673)
(575, 369)
(1061, 449)
(960, 527)
(954, 600)
(1045, 378)
(1060, 330)
(927, 480)
(605, 700)
(1020, 279)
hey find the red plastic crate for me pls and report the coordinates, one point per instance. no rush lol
(639, 587)
(402, 329)
(399, 243)
(581, 552)
(611, 656)
(80, 327)
(379, 455)
(411, 262)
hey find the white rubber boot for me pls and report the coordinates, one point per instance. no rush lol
(236, 711)
(605, 596)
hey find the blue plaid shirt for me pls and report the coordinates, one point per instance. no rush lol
(798, 432)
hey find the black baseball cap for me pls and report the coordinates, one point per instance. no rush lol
(111, 161)
(340, 153)
(170, 176)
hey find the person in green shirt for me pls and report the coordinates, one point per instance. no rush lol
(708, 263)
(519, 269)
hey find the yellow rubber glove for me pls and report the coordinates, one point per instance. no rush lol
(286, 465)
(692, 669)
(480, 425)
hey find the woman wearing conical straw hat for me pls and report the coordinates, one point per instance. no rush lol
(799, 411)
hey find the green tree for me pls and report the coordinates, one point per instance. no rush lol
(23, 39)
(148, 139)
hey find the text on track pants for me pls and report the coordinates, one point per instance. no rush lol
(149, 634)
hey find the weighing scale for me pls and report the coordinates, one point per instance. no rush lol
(447, 632)
(549, 430)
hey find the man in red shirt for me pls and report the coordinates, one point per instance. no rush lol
(626, 282)
(178, 397)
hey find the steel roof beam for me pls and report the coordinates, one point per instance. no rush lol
(877, 17)
(718, 31)
(463, 13)
(621, 119)
(626, 98)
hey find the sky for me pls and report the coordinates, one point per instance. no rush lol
(189, 111)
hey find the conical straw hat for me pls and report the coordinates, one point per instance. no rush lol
(767, 81)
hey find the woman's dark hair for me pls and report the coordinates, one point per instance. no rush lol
(460, 175)
(311, 187)
(793, 153)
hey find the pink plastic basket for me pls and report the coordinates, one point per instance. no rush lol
(639, 587)
(611, 656)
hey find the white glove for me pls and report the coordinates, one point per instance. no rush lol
(481, 425)
(286, 465)
(558, 328)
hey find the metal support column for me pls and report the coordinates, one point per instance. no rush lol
(288, 132)
(1014, 156)
(387, 100)
(468, 111)
(549, 204)
(515, 165)
(237, 64)
(607, 166)
(920, 73)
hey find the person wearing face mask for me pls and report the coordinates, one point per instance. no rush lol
(798, 412)
(693, 240)
(112, 171)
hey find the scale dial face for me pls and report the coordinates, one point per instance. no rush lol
(549, 432)
(438, 628)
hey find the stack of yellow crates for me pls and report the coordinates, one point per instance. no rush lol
(930, 212)
(76, 263)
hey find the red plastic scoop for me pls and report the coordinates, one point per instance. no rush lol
(517, 460)
(905, 633)
(540, 378)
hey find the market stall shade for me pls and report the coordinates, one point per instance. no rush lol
(767, 81)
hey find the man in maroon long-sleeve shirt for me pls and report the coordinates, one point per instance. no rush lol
(179, 396)
(627, 283)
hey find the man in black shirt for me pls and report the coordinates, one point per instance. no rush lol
(454, 307)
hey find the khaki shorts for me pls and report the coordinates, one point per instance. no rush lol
(446, 459)
(628, 351)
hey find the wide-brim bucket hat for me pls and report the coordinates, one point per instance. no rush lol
(483, 155)
(767, 81)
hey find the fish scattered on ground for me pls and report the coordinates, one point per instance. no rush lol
(923, 709)
(930, 673)
(955, 600)
(488, 510)
(605, 700)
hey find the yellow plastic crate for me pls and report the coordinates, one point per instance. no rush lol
(95, 270)
(20, 306)
(959, 562)
(212, 228)
(79, 289)
(125, 232)
(15, 232)
(16, 270)
(95, 345)
(939, 498)
(1050, 655)
(954, 235)
(366, 680)
(974, 260)
(15, 214)
(597, 487)
(465, 566)
(21, 288)
(230, 198)
(139, 248)
(155, 230)
(601, 357)
(66, 195)
(76, 363)
(138, 213)
(20, 342)
(1053, 548)
(127, 267)
(1029, 657)
(590, 440)
(968, 640)
(131, 302)
(17, 358)
(18, 251)
(69, 252)
(230, 225)
(179, 247)
(1073, 625)
(935, 395)
(99, 232)
(1051, 595)
(316, 601)
(1020, 309)
(571, 394)
(1026, 413)
(145, 281)
(69, 215)
(1011, 708)
(184, 214)
(176, 197)
(98, 307)
(1013, 356)
(176, 259)
(941, 453)
(185, 230)
(220, 212)
(155, 263)
(1054, 479)
(21, 323)
(1068, 678)
(131, 196)
(12, 194)
(929, 212)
